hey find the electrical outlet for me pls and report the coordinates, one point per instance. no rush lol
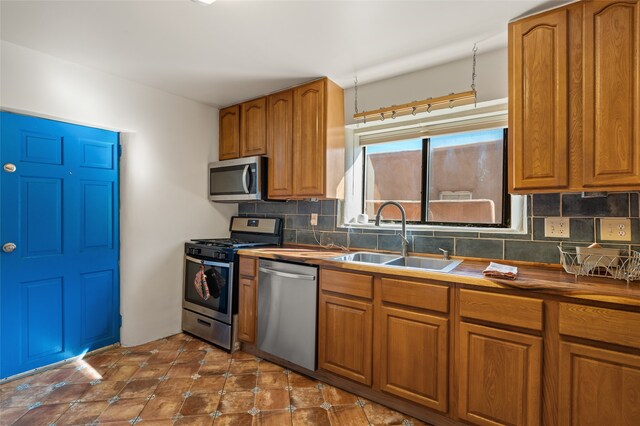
(314, 219)
(615, 229)
(556, 227)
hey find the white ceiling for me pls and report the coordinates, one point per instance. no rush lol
(234, 50)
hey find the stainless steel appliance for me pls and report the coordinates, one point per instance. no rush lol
(210, 287)
(238, 180)
(287, 311)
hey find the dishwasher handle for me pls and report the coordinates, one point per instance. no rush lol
(287, 274)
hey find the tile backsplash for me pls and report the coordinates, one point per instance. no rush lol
(583, 214)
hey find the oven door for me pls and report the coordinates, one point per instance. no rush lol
(213, 297)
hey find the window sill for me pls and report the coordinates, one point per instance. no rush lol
(436, 228)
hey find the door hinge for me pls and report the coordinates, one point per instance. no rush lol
(119, 150)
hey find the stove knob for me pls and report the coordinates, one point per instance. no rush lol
(222, 256)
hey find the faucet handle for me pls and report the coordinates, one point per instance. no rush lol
(445, 253)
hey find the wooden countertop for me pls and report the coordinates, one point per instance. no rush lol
(537, 279)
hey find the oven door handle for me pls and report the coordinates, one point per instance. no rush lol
(287, 274)
(206, 262)
(245, 173)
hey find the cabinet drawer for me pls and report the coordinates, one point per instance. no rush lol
(417, 294)
(248, 266)
(347, 283)
(606, 325)
(502, 309)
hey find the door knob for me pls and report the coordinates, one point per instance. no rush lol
(8, 247)
(9, 168)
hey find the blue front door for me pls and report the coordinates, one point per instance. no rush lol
(59, 289)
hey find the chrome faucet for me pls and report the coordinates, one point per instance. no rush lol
(445, 254)
(403, 235)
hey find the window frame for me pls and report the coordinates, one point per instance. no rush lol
(505, 220)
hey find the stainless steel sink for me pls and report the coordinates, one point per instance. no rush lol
(439, 265)
(366, 257)
(425, 263)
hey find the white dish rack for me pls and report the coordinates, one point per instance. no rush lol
(601, 262)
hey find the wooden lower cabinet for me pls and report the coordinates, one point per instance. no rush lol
(345, 337)
(598, 386)
(499, 376)
(414, 356)
(247, 309)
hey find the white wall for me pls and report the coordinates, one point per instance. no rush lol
(491, 83)
(167, 141)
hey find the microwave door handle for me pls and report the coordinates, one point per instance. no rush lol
(245, 174)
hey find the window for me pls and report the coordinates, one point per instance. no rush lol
(455, 179)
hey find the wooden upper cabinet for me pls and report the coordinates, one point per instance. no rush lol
(414, 357)
(318, 140)
(538, 102)
(309, 138)
(499, 376)
(280, 142)
(611, 156)
(253, 128)
(598, 386)
(229, 140)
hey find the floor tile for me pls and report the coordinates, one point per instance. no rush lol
(236, 402)
(120, 373)
(103, 391)
(310, 416)
(380, 415)
(306, 397)
(82, 413)
(139, 389)
(51, 376)
(134, 358)
(25, 397)
(66, 393)
(42, 416)
(272, 381)
(195, 345)
(183, 370)
(123, 410)
(272, 399)
(240, 355)
(243, 367)
(266, 366)
(234, 419)
(10, 415)
(87, 374)
(335, 396)
(163, 357)
(244, 382)
(194, 421)
(154, 371)
(173, 387)
(200, 404)
(299, 381)
(272, 418)
(214, 368)
(103, 359)
(190, 357)
(347, 415)
(208, 384)
(161, 408)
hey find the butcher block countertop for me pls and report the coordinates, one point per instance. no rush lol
(541, 280)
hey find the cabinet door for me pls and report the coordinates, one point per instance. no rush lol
(414, 357)
(253, 129)
(280, 139)
(499, 379)
(345, 335)
(309, 133)
(598, 386)
(538, 102)
(229, 141)
(247, 302)
(612, 94)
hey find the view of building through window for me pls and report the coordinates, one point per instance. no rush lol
(464, 178)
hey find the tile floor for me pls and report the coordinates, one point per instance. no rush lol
(181, 380)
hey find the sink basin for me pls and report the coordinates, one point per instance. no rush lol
(366, 257)
(426, 263)
(439, 265)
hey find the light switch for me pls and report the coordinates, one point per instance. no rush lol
(615, 229)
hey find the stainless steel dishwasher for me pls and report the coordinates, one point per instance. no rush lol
(287, 307)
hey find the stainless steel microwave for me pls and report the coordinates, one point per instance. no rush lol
(238, 180)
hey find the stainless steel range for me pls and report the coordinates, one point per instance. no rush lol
(210, 288)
